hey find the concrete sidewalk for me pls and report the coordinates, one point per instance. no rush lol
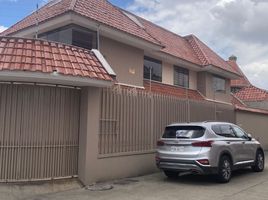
(245, 185)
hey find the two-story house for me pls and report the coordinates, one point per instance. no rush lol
(131, 52)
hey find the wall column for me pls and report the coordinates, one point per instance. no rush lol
(88, 135)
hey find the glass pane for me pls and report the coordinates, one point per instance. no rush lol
(84, 39)
(155, 67)
(218, 84)
(181, 77)
(187, 132)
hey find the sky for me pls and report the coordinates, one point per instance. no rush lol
(229, 27)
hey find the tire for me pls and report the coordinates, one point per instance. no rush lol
(171, 174)
(224, 170)
(259, 162)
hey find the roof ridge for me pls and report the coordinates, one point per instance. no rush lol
(196, 41)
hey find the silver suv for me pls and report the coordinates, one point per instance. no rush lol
(207, 148)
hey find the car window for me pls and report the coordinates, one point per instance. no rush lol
(239, 132)
(224, 130)
(187, 132)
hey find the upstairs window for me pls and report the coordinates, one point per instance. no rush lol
(152, 69)
(219, 84)
(181, 77)
(74, 35)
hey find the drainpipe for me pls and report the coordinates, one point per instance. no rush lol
(98, 37)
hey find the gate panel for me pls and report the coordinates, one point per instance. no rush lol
(39, 128)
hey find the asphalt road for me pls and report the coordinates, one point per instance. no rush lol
(245, 185)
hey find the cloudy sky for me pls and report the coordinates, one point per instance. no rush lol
(229, 27)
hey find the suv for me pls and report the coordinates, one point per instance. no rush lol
(207, 148)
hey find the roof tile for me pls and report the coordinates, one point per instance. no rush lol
(243, 80)
(180, 92)
(252, 93)
(29, 57)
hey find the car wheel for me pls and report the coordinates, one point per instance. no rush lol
(171, 174)
(259, 162)
(225, 169)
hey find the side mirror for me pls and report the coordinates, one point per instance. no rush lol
(249, 137)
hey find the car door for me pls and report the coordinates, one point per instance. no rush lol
(232, 143)
(247, 145)
(235, 143)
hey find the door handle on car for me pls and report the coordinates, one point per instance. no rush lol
(228, 142)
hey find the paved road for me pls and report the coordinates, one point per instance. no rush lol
(245, 185)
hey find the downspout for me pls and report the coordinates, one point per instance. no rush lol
(98, 37)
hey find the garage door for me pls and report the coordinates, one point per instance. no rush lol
(38, 132)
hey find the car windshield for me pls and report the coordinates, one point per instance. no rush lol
(188, 132)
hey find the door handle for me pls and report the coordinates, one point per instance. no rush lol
(228, 142)
(243, 142)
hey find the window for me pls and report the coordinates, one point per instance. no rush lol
(74, 35)
(184, 132)
(224, 130)
(152, 69)
(181, 77)
(218, 84)
(239, 133)
(85, 39)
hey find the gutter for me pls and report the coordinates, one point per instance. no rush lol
(52, 78)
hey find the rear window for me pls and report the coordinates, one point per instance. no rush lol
(188, 132)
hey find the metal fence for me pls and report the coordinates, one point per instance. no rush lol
(38, 132)
(133, 120)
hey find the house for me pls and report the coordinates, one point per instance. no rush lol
(60, 116)
(244, 93)
(242, 81)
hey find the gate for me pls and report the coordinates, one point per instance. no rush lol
(39, 128)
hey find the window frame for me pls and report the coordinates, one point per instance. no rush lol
(72, 27)
(153, 60)
(214, 85)
(184, 72)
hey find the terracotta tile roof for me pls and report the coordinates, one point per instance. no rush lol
(236, 101)
(47, 57)
(99, 10)
(241, 82)
(46, 12)
(183, 93)
(254, 110)
(252, 93)
(188, 48)
(173, 44)
(206, 55)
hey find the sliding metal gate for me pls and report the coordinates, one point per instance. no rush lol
(39, 128)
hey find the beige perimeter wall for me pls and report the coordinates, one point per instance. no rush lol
(255, 124)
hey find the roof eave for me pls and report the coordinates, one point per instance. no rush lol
(52, 78)
(221, 72)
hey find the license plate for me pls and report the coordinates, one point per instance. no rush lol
(177, 149)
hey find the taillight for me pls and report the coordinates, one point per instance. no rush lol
(203, 161)
(160, 143)
(202, 144)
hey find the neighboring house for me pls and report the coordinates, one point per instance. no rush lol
(242, 81)
(244, 93)
(253, 97)
(57, 118)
